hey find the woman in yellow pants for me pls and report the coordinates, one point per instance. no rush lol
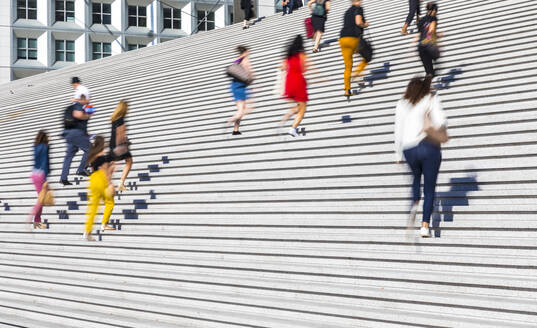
(349, 40)
(100, 186)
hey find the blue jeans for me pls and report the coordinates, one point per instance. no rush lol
(288, 8)
(413, 10)
(424, 159)
(76, 139)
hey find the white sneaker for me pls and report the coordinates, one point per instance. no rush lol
(424, 232)
(293, 132)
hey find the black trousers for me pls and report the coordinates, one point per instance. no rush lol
(413, 10)
(427, 60)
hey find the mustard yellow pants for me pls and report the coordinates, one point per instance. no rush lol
(97, 186)
(349, 46)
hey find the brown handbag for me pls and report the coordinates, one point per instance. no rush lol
(46, 196)
(436, 136)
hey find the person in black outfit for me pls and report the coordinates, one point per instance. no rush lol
(119, 144)
(427, 45)
(319, 13)
(247, 6)
(287, 6)
(413, 9)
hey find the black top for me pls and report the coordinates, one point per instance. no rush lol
(116, 124)
(246, 4)
(79, 124)
(349, 22)
(100, 161)
(424, 24)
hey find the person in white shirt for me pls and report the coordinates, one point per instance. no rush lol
(79, 90)
(422, 154)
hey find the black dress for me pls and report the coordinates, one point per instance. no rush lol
(116, 124)
(246, 5)
(318, 22)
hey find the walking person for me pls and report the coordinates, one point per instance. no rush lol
(349, 40)
(427, 39)
(80, 90)
(287, 6)
(296, 91)
(239, 89)
(420, 128)
(39, 175)
(119, 143)
(413, 10)
(247, 7)
(100, 187)
(76, 136)
(319, 13)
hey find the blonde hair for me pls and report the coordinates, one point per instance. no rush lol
(120, 111)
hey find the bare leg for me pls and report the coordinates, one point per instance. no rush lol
(301, 108)
(288, 115)
(318, 35)
(126, 170)
(236, 119)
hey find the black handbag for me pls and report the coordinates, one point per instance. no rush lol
(365, 49)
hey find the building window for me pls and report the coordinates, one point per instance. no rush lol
(102, 13)
(133, 46)
(101, 50)
(205, 20)
(26, 48)
(65, 11)
(27, 9)
(172, 18)
(65, 50)
(137, 16)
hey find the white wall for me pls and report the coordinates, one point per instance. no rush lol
(266, 8)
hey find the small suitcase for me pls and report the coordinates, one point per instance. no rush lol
(309, 28)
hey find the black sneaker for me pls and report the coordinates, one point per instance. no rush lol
(66, 182)
(236, 133)
(84, 173)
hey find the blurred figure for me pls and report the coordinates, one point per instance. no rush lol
(119, 143)
(419, 123)
(247, 6)
(39, 174)
(80, 90)
(295, 83)
(100, 186)
(319, 13)
(76, 136)
(413, 10)
(239, 89)
(287, 6)
(427, 46)
(349, 40)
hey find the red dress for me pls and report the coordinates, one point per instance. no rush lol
(295, 83)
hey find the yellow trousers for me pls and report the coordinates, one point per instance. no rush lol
(97, 186)
(349, 46)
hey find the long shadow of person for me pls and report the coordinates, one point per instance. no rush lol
(456, 196)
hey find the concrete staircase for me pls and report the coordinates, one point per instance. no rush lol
(265, 230)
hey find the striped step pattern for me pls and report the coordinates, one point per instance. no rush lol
(267, 230)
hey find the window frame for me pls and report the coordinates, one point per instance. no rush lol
(101, 13)
(138, 17)
(135, 46)
(64, 11)
(101, 52)
(175, 23)
(64, 51)
(26, 49)
(206, 21)
(27, 9)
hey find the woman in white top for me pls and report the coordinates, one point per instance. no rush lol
(421, 154)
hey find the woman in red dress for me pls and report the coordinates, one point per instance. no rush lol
(295, 83)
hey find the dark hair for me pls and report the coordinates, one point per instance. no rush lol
(417, 88)
(242, 49)
(96, 148)
(83, 97)
(296, 46)
(41, 138)
(74, 80)
(431, 6)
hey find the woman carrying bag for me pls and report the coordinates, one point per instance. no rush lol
(353, 25)
(319, 13)
(420, 129)
(119, 143)
(242, 75)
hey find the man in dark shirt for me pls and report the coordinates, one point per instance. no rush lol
(76, 138)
